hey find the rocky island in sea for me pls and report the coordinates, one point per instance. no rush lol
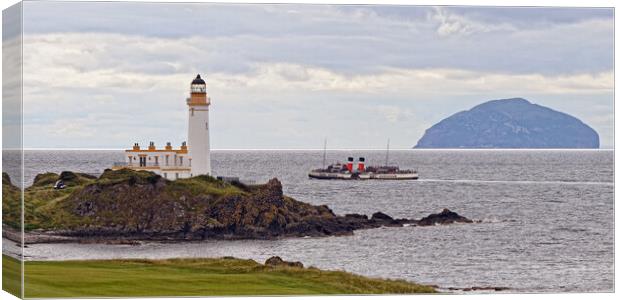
(510, 123)
(141, 205)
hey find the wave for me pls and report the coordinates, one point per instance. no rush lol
(519, 181)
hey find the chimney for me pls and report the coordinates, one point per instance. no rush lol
(360, 164)
(184, 146)
(168, 146)
(152, 146)
(136, 147)
(350, 164)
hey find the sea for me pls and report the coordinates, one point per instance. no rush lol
(547, 216)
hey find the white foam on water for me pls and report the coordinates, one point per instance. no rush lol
(518, 181)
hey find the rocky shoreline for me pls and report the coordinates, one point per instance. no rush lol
(350, 223)
(126, 207)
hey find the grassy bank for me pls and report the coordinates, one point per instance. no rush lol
(11, 275)
(194, 277)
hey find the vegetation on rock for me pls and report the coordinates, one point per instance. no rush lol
(11, 203)
(144, 205)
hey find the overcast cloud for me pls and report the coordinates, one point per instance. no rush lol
(106, 75)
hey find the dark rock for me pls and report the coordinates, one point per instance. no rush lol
(278, 261)
(384, 220)
(274, 261)
(381, 216)
(67, 176)
(509, 123)
(139, 205)
(444, 217)
(356, 216)
(6, 179)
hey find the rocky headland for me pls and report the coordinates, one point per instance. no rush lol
(126, 205)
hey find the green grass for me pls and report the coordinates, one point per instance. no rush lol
(11, 275)
(204, 185)
(47, 208)
(194, 277)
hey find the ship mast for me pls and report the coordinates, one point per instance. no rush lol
(324, 151)
(387, 153)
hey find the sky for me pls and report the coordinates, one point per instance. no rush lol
(106, 75)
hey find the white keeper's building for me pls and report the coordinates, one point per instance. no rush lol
(192, 158)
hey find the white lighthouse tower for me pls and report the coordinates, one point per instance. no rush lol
(198, 130)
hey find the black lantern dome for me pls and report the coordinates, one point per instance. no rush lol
(198, 85)
(198, 80)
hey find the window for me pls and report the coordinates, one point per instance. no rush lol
(166, 159)
(192, 110)
(156, 160)
(165, 175)
(181, 160)
(207, 125)
(176, 175)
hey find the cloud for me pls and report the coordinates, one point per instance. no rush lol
(112, 62)
(394, 114)
(285, 77)
(454, 24)
(352, 39)
(121, 71)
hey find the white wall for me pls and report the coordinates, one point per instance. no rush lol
(198, 140)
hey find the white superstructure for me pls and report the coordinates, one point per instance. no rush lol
(192, 158)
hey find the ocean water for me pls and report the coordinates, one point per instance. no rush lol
(547, 216)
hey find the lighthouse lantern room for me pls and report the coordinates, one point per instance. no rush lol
(192, 158)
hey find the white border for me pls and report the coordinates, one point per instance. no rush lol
(564, 3)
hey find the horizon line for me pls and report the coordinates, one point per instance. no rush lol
(333, 149)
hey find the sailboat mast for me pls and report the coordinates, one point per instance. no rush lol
(387, 153)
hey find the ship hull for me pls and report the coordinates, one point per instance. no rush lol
(326, 175)
(362, 176)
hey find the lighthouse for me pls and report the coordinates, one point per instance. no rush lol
(198, 129)
(193, 158)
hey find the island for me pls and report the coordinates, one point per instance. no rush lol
(510, 123)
